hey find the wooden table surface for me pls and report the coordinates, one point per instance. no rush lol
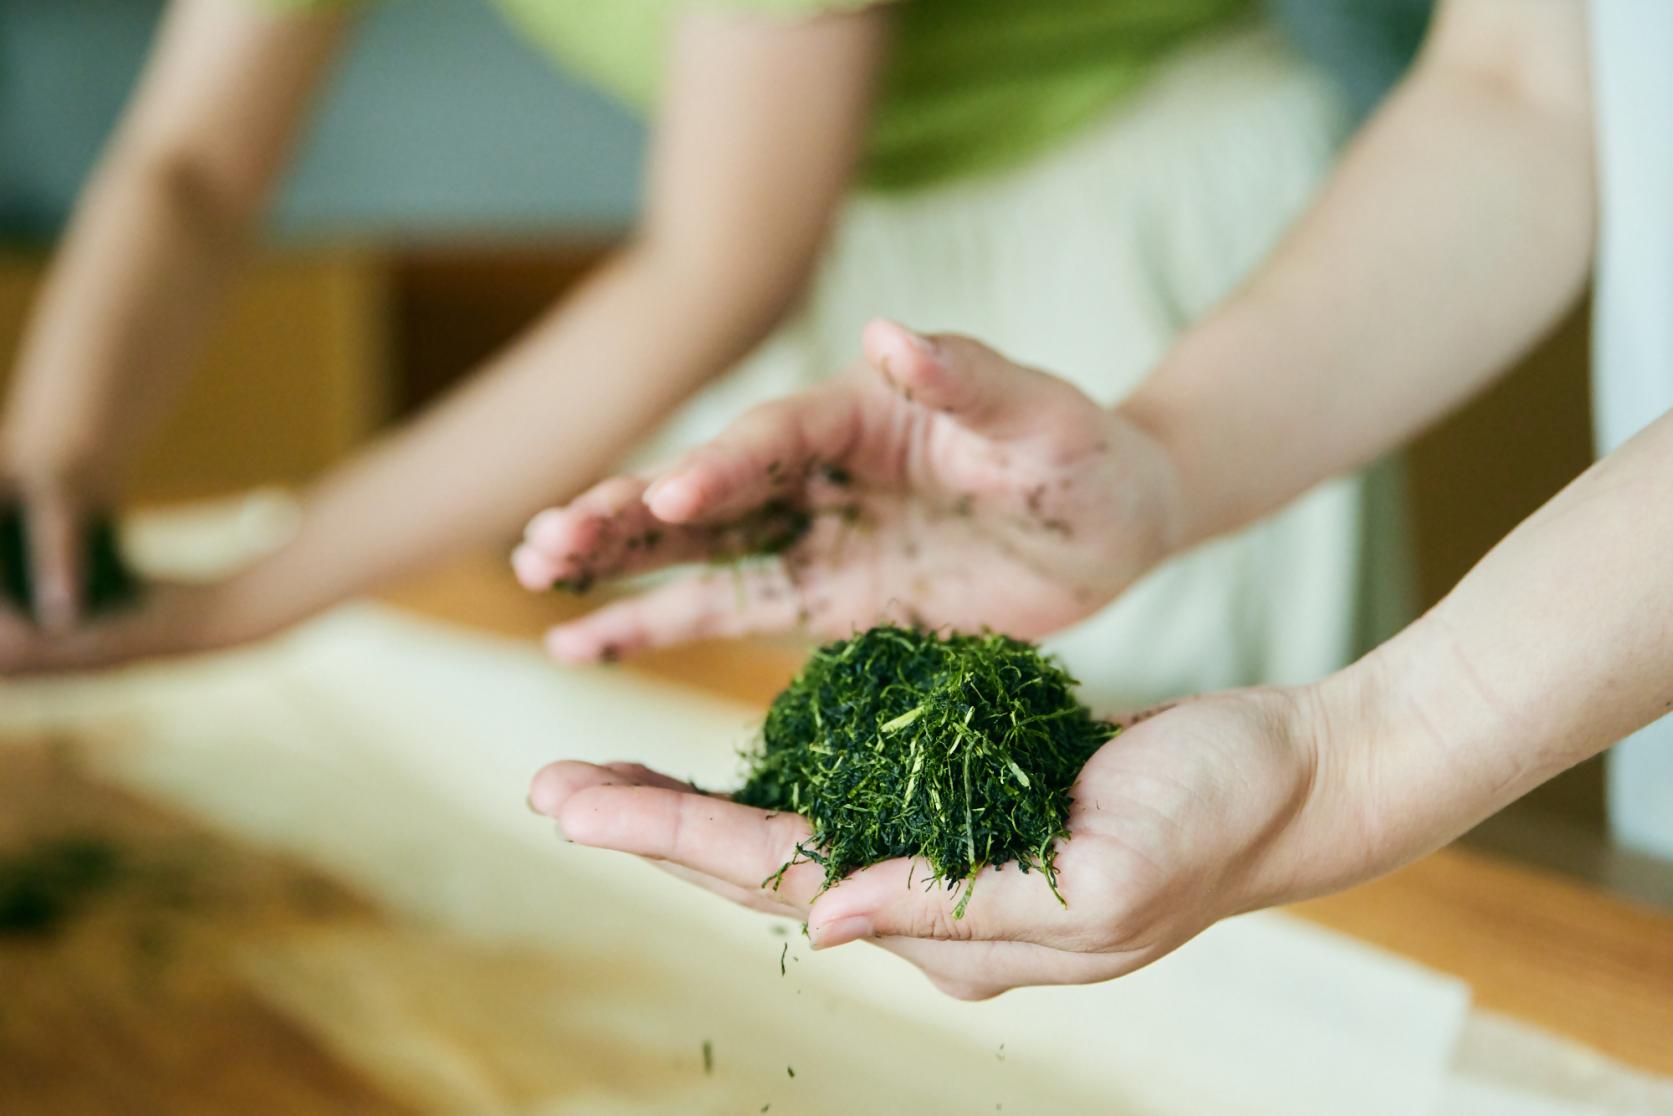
(1543, 948)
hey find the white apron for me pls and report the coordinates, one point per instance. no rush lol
(1632, 358)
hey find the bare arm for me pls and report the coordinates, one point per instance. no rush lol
(1458, 228)
(762, 125)
(161, 227)
(1553, 648)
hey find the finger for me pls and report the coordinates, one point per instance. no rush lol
(747, 848)
(966, 380)
(607, 531)
(895, 898)
(721, 834)
(983, 970)
(555, 783)
(766, 900)
(55, 560)
(1128, 720)
(772, 450)
(535, 571)
(746, 600)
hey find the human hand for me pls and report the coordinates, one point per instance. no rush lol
(940, 484)
(1202, 811)
(43, 554)
(170, 619)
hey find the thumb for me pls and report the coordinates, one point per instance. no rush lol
(976, 386)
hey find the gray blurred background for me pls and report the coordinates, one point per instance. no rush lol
(440, 121)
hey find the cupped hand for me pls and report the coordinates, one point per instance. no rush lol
(1202, 811)
(939, 483)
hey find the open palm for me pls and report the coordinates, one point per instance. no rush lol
(938, 484)
(1197, 813)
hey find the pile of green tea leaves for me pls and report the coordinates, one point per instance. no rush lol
(899, 742)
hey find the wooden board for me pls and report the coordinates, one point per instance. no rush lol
(131, 1001)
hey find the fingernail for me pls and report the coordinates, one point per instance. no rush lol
(531, 570)
(840, 932)
(921, 343)
(676, 488)
(545, 523)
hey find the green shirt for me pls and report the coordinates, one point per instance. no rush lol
(970, 86)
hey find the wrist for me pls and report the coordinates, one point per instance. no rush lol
(1163, 480)
(1389, 785)
(1337, 730)
(1167, 427)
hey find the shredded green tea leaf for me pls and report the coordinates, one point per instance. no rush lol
(44, 884)
(957, 749)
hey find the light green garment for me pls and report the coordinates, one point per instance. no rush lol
(971, 86)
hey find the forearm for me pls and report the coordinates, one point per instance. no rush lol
(1456, 231)
(1553, 648)
(742, 186)
(156, 234)
(136, 284)
(540, 422)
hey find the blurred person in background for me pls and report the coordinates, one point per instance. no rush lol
(1075, 181)
(1527, 152)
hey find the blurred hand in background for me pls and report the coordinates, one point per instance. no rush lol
(170, 215)
(50, 526)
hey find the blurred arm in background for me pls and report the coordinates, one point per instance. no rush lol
(169, 214)
(761, 126)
